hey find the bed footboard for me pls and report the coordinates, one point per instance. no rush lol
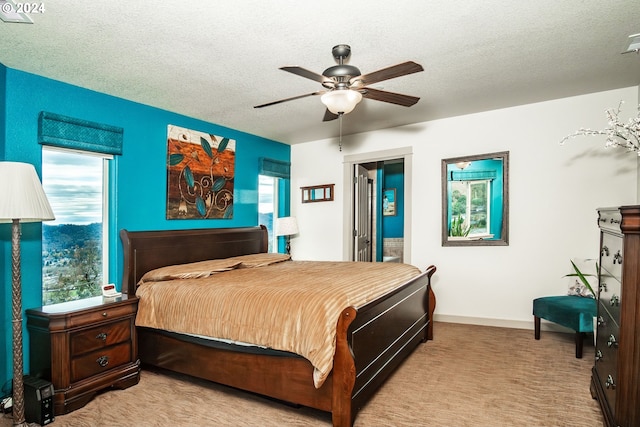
(378, 337)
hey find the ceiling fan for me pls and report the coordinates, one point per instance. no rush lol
(344, 85)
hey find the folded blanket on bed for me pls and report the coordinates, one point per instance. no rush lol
(292, 306)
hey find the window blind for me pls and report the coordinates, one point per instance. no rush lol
(472, 175)
(68, 132)
(274, 168)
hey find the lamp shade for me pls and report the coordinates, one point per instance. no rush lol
(21, 194)
(286, 226)
(341, 100)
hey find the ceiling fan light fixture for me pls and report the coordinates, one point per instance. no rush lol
(634, 44)
(341, 101)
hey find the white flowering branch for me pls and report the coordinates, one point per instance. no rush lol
(624, 135)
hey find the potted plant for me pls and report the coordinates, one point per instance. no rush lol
(585, 282)
(457, 227)
(583, 278)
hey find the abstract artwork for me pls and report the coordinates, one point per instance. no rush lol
(200, 172)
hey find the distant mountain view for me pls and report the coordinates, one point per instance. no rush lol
(72, 262)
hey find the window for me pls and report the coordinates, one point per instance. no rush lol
(470, 206)
(75, 245)
(268, 207)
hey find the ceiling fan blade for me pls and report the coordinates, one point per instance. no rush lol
(302, 72)
(393, 98)
(328, 116)
(320, 92)
(392, 72)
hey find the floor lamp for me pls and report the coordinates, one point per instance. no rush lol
(287, 226)
(22, 199)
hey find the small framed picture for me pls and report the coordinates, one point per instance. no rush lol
(389, 202)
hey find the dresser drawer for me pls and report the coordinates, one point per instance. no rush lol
(92, 317)
(609, 392)
(606, 362)
(610, 297)
(607, 345)
(610, 219)
(101, 336)
(99, 361)
(611, 256)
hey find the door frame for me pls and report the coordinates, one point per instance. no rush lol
(405, 153)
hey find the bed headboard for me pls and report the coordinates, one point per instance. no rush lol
(146, 250)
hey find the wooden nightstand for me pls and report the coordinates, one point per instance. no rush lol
(83, 347)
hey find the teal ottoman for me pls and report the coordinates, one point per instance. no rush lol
(573, 312)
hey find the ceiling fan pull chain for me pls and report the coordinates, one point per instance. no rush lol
(340, 140)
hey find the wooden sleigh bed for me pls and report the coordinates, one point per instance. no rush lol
(371, 340)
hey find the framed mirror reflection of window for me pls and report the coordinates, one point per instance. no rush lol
(475, 200)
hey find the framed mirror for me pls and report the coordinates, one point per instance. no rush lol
(475, 200)
(317, 193)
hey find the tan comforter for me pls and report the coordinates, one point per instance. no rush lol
(292, 306)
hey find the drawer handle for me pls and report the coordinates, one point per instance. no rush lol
(104, 314)
(102, 361)
(617, 257)
(604, 251)
(601, 321)
(610, 383)
(612, 342)
(598, 355)
(615, 300)
(102, 336)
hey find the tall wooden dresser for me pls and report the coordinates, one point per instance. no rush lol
(615, 380)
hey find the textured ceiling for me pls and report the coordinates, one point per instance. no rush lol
(215, 60)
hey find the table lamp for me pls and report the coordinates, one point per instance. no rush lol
(287, 226)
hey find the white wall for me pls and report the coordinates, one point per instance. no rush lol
(554, 193)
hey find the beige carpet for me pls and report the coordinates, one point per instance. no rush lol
(469, 376)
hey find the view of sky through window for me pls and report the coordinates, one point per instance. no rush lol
(73, 184)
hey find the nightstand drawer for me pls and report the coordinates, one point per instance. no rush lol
(92, 317)
(99, 361)
(101, 336)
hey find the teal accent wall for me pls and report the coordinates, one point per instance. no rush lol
(5, 257)
(284, 190)
(378, 208)
(393, 226)
(138, 188)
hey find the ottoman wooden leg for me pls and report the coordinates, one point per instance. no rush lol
(579, 343)
(536, 327)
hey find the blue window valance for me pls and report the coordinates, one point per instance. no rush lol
(68, 132)
(274, 168)
(472, 175)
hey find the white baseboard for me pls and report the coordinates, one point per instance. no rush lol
(501, 323)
